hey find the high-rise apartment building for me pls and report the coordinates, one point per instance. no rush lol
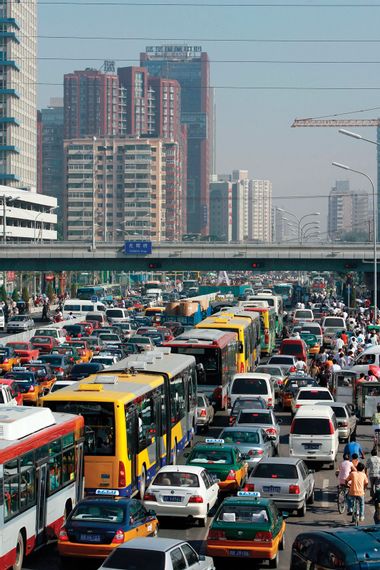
(347, 211)
(221, 210)
(260, 210)
(133, 180)
(18, 111)
(94, 104)
(191, 68)
(50, 150)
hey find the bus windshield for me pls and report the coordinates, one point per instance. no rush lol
(99, 419)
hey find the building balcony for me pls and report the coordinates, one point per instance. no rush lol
(12, 92)
(10, 22)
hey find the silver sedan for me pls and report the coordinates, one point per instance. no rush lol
(252, 442)
(285, 480)
(264, 419)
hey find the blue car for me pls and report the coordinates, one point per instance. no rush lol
(348, 548)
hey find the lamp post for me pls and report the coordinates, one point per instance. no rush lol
(307, 227)
(299, 220)
(345, 167)
(39, 238)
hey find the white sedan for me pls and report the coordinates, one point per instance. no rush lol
(182, 491)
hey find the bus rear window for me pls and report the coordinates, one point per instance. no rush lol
(99, 422)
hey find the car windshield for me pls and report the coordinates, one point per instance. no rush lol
(339, 411)
(222, 456)
(47, 332)
(139, 340)
(332, 322)
(275, 471)
(106, 360)
(249, 386)
(314, 395)
(40, 340)
(237, 436)
(54, 360)
(247, 404)
(84, 368)
(200, 402)
(20, 376)
(19, 318)
(134, 559)
(311, 426)
(314, 329)
(90, 511)
(243, 514)
(176, 479)
(255, 418)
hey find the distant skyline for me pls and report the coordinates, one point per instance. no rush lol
(252, 125)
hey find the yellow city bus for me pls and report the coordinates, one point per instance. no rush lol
(243, 328)
(254, 329)
(135, 422)
(268, 327)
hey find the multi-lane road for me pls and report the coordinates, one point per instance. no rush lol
(321, 515)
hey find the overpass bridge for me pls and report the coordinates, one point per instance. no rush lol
(182, 256)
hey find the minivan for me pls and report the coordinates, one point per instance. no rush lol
(117, 315)
(314, 435)
(370, 357)
(303, 316)
(248, 384)
(79, 307)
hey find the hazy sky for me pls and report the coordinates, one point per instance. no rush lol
(253, 125)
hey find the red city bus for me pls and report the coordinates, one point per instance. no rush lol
(41, 477)
(217, 351)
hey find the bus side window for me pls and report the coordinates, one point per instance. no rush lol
(177, 399)
(28, 483)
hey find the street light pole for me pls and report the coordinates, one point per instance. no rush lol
(299, 220)
(345, 167)
(93, 194)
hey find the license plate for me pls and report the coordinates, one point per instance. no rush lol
(90, 537)
(239, 553)
(312, 445)
(170, 499)
(270, 489)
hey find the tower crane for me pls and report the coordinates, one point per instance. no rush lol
(336, 123)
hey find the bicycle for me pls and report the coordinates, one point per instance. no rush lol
(342, 498)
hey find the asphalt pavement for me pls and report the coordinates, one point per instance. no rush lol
(322, 514)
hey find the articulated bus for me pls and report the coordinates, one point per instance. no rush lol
(243, 329)
(135, 422)
(267, 324)
(217, 351)
(41, 478)
(254, 329)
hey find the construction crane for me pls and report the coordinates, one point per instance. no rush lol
(336, 123)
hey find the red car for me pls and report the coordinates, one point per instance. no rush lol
(167, 333)
(294, 347)
(45, 344)
(25, 350)
(14, 388)
(89, 327)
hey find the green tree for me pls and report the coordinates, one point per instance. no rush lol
(25, 294)
(3, 294)
(50, 292)
(16, 295)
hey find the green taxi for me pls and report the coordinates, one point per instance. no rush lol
(247, 527)
(222, 460)
(311, 342)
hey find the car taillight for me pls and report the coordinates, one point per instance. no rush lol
(231, 475)
(63, 536)
(122, 482)
(263, 536)
(249, 487)
(216, 535)
(294, 490)
(119, 537)
(255, 452)
(5, 361)
(292, 428)
(292, 369)
(59, 369)
(31, 389)
(149, 497)
(196, 499)
(270, 401)
(232, 420)
(332, 431)
(271, 431)
(229, 402)
(203, 413)
(298, 406)
(344, 424)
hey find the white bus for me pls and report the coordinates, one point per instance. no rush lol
(41, 478)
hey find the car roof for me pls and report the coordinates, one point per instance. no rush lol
(180, 468)
(158, 544)
(280, 460)
(314, 388)
(251, 375)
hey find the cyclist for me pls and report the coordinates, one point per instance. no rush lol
(343, 472)
(358, 481)
(373, 471)
(376, 423)
(353, 447)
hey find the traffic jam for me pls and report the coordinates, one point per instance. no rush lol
(225, 421)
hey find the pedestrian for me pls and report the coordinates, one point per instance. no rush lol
(358, 481)
(301, 365)
(373, 471)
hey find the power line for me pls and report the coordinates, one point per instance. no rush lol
(255, 61)
(204, 4)
(214, 40)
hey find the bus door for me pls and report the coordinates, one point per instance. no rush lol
(41, 507)
(160, 444)
(132, 444)
(79, 485)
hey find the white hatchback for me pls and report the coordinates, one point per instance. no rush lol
(182, 491)
(310, 395)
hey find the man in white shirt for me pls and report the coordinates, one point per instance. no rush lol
(301, 365)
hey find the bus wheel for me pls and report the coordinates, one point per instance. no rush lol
(142, 483)
(20, 551)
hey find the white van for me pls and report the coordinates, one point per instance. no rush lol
(314, 435)
(248, 384)
(337, 323)
(2, 319)
(79, 307)
(117, 315)
(371, 356)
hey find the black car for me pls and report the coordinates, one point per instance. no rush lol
(85, 369)
(60, 363)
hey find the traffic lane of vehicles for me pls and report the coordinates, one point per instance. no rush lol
(321, 515)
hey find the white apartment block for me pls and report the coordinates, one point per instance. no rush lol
(260, 210)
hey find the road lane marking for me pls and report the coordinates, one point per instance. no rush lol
(325, 493)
